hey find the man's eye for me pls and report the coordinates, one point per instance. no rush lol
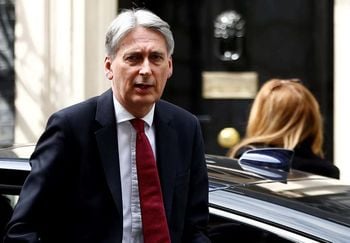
(133, 58)
(156, 58)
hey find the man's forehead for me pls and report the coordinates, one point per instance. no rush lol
(141, 37)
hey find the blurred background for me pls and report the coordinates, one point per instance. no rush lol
(52, 52)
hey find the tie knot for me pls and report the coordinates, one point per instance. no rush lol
(138, 124)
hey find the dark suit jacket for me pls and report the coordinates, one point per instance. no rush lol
(73, 193)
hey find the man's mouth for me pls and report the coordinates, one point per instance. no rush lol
(143, 86)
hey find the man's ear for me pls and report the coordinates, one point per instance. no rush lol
(107, 67)
(170, 67)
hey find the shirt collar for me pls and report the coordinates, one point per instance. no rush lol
(123, 115)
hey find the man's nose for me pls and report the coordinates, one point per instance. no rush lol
(145, 68)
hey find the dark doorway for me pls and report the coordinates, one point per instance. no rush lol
(283, 39)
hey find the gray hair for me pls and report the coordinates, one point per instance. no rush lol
(128, 20)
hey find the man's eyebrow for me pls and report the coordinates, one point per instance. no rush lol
(138, 52)
(132, 52)
(158, 53)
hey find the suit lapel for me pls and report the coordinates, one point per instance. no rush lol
(107, 142)
(167, 155)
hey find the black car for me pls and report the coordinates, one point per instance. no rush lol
(256, 199)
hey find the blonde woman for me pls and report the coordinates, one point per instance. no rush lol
(285, 114)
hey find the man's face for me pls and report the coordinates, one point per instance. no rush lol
(139, 70)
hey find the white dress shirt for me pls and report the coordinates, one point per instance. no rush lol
(132, 226)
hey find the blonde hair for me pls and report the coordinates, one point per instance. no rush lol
(284, 114)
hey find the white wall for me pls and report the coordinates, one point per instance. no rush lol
(59, 54)
(342, 87)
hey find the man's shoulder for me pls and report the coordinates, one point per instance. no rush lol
(171, 108)
(178, 117)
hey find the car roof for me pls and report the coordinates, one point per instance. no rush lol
(319, 196)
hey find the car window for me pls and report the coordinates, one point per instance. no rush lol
(14, 168)
(7, 203)
(224, 230)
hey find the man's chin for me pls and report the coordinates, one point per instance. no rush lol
(145, 100)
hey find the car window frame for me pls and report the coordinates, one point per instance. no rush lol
(282, 233)
(275, 215)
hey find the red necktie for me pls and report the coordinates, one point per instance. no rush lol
(154, 223)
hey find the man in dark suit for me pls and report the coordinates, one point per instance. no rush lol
(83, 183)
